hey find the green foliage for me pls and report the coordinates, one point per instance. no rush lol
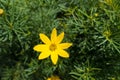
(93, 26)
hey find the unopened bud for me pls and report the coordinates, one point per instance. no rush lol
(1, 11)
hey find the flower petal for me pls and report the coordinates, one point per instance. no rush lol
(44, 38)
(65, 45)
(49, 79)
(60, 37)
(40, 47)
(44, 55)
(63, 53)
(54, 58)
(53, 35)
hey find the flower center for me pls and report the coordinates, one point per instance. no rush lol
(52, 47)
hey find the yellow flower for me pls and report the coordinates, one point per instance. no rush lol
(1, 11)
(49, 79)
(109, 2)
(107, 33)
(53, 47)
(54, 78)
(96, 14)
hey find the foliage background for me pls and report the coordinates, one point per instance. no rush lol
(93, 26)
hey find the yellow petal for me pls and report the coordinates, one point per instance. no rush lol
(40, 47)
(60, 37)
(65, 45)
(63, 53)
(53, 35)
(54, 57)
(49, 79)
(44, 55)
(44, 38)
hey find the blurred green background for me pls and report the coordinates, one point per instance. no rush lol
(93, 26)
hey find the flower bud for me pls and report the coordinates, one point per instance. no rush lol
(1, 11)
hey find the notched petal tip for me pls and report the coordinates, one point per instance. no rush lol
(40, 47)
(54, 35)
(44, 38)
(65, 45)
(70, 44)
(36, 48)
(60, 37)
(63, 53)
(43, 55)
(54, 29)
(54, 58)
(54, 32)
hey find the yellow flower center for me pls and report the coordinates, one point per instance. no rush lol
(52, 47)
